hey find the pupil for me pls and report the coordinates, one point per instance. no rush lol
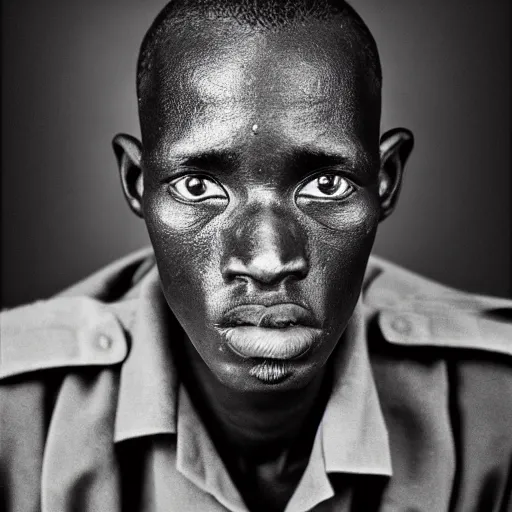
(195, 186)
(328, 183)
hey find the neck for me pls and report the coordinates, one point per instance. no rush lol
(257, 426)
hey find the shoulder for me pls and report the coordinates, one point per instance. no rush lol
(445, 343)
(442, 361)
(461, 341)
(82, 326)
(57, 333)
(60, 362)
(59, 357)
(413, 311)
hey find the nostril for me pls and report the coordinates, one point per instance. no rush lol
(234, 269)
(266, 269)
(269, 269)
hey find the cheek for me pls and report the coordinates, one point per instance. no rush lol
(343, 233)
(174, 218)
(183, 240)
(342, 236)
(357, 216)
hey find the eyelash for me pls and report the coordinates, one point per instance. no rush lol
(352, 182)
(345, 173)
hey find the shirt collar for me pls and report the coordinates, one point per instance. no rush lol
(147, 394)
(353, 436)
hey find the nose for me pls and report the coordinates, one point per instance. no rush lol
(265, 247)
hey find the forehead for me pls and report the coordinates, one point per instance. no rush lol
(304, 85)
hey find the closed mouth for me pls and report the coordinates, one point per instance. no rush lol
(278, 316)
(280, 332)
(269, 343)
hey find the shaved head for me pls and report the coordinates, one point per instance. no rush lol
(254, 15)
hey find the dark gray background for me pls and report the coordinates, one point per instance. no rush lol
(68, 86)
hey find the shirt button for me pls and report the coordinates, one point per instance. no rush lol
(104, 342)
(401, 325)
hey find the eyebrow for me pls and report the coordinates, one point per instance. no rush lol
(312, 159)
(300, 161)
(213, 159)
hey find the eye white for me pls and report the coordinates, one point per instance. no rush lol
(326, 186)
(194, 188)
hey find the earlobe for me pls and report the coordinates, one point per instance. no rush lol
(128, 151)
(395, 147)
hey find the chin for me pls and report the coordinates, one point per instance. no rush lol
(267, 375)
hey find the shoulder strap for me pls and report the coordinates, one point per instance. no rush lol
(413, 311)
(487, 330)
(57, 333)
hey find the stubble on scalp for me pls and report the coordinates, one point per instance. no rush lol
(180, 16)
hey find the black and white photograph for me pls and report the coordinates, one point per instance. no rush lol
(256, 256)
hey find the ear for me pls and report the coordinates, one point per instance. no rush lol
(128, 151)
(395, 147)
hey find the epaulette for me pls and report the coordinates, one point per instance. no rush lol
(61, 332)
(416, 312)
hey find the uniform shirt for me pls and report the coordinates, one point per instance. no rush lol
(95, 418)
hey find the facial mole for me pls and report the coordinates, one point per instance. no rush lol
(255, 128)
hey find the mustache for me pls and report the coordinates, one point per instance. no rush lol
(277, 316)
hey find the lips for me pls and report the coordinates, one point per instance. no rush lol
(276, 316)
(282, 331)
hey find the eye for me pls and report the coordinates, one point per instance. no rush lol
(326, 186)
(195, 188)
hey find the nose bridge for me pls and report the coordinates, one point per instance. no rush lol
(265, 244)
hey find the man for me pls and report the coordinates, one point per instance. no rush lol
(256, 358)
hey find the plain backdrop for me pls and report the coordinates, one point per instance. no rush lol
(68, 85)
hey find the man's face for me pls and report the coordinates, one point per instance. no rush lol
(260, 165)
